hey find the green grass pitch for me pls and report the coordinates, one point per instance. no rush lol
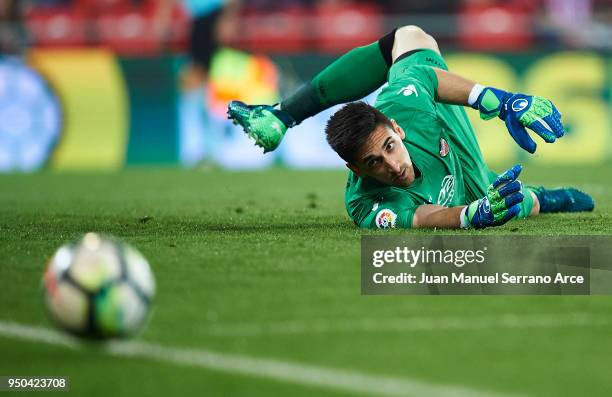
(266, 265)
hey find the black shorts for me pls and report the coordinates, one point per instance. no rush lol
(203, 40)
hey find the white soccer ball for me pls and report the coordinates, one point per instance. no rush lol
(98, 288)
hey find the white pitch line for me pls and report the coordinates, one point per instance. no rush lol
(38, 334)
(285, 371)
(321, 326)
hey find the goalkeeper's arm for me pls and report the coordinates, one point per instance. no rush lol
(517, 110)
(437, 216)
(498, 206)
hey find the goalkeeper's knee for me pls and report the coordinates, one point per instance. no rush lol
(411, 37)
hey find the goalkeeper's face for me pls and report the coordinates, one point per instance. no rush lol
(384, 157)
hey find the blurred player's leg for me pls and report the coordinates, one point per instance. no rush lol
(192, 114)
(198, 141)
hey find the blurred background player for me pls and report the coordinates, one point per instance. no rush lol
(213, 24)
(12, 32)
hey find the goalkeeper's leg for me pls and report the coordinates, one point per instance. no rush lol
(351, 77)
(566, 199)
(539, 200)
(356, 74)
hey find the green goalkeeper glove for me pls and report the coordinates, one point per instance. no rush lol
(499, 205)
(520, 111)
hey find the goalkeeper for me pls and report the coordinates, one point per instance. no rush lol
(414, 158)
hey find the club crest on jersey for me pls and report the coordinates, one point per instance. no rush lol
(444, 149)
(385, 219)
(447, 190)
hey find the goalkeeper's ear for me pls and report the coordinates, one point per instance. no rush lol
(397, 129)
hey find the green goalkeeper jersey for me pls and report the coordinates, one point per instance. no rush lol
(439, 138)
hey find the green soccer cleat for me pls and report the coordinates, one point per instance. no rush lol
(265, 124)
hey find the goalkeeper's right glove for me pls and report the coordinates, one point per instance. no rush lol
(499, 205)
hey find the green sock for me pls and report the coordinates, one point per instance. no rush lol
(351, 77)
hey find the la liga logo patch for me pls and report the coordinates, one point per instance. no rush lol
(444, 149)
(385, 219)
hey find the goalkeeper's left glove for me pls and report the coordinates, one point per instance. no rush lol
(499, 205)
(520, 111)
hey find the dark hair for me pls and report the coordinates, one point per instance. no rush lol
(349, 128)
